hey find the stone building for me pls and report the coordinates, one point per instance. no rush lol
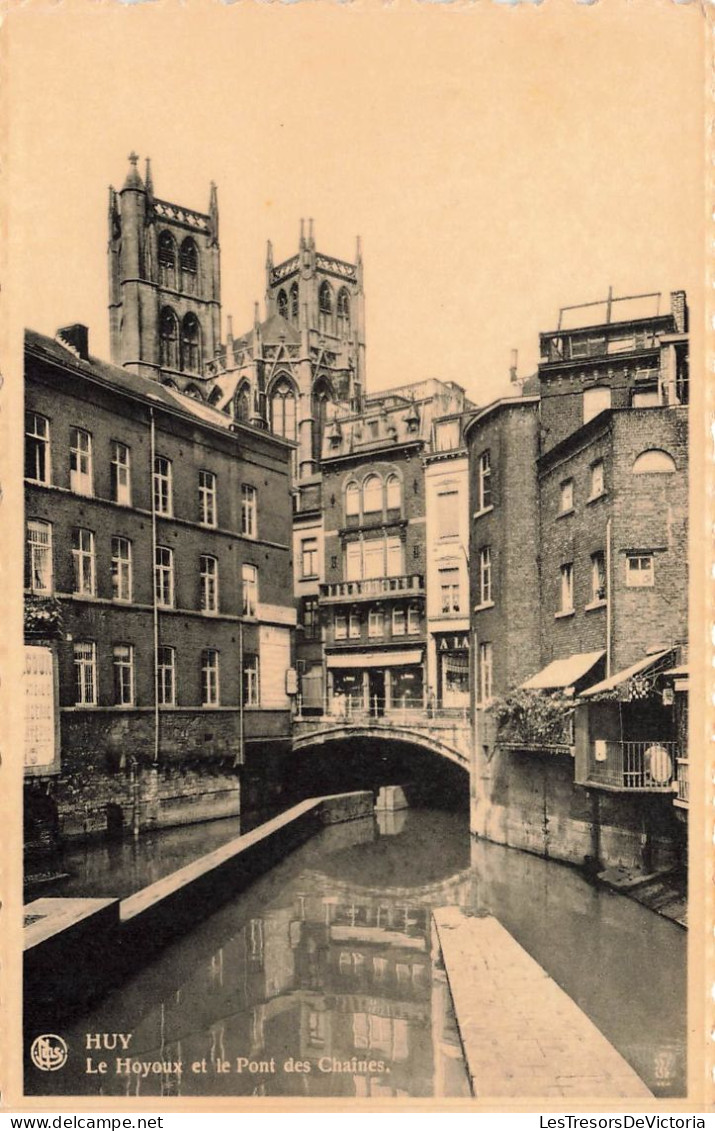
(158, 588)
(602, 543)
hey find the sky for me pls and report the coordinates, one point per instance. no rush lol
(497, 163)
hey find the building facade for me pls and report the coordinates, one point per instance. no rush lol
(158, 578)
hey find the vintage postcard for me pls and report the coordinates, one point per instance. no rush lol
(356, 538)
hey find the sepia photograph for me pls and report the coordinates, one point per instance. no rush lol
(355, 659)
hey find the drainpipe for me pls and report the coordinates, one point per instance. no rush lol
(155, 607)
(241, 731)
(609, 611)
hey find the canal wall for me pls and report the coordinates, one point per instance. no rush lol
(103, 941)
(528, 800)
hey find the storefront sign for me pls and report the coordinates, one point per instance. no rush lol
(454, 642)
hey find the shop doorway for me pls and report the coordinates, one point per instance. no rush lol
(376, 685)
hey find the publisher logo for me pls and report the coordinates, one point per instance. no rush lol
(48, 1052)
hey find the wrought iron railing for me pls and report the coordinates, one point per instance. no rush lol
(645, 766)
(682, 779)
(412, 583)
(393, 711)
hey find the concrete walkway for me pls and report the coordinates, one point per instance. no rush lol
(521, 1034)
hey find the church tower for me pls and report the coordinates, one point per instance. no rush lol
(164, 284)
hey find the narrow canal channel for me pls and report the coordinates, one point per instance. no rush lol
(320, 979)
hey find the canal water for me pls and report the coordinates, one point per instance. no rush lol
(321, 979)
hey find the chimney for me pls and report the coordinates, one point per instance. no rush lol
(679, 310)
(513, 368)
(76, 337)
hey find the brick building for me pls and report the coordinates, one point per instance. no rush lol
(602, 541)
(159, 589)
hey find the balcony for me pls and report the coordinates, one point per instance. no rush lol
(407, 585)
(682, 782)
(634, 767)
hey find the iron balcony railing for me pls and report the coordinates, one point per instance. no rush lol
(411, 584)
(644, 766)
(682, 781)
(379, 710)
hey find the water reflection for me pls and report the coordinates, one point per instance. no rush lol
(320, 979)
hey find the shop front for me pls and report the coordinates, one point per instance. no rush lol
(377, 683)
(452, 670)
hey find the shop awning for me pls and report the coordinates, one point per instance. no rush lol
(563, 673)
(375, 659)
(616, 680)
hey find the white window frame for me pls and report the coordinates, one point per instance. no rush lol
(252, 680)
(566, 496)
(567, 588)
(375, 624)
(394, 556)
(164, 580)
(249, 589)
(376, 490)
(485, 575)
(85, 673)
(598, 577)
(354, 626)
(413, 620)
(39, 555)
(597, 477)
(40, 441)
(309, 557)
(83, 555)
(208, 509)
(399, 621)
(80, 461)
(121, 565)
(210, 678)
(484, 482)
(450, 590)
(123, 663)
(208, 578)
(162, 486)
(341, 626)
(353, 561)
(451, 531)
(352, 499)
(166, 676)
(249, 510)
(640, 578)
(393, 493)
(121, 474)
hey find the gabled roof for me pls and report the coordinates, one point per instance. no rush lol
(277, 327)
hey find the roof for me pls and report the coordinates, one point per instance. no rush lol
(277, 327)
(564, 672)
(623, 676)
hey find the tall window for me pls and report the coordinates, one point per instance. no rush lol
(373, 558)
(164, 577)
(294, 302)
(597, 481)
(249, 578)
(449, 590)
(119, 474)
(167, 260)
(207, 498)
(309, 557)
(354, 625)
(353, 561)
(341, 626)
(566, 496)
(168, 339)
(375, 623)
(598, 577)
(80, 461)
(190, 343)
(372, 495)
(83, 562)
(283, 409)
(485, 672)
(249, 507)
(242, 405)
(209, 678)
(567, 587)
(399, 621)
(162, 485)
(413, 620)
(343, 312)
(448, 513)
(282, 303)
(311, 618)
(484, 481)
(595, 400)
(189, 258)
(352, 501)
(85, 673)
(38, 557)
(251, 682)
(393, 493)
(166, 676)
(485, 575)
(123, 665)
(121, 569)
(37, 448)
(394, 557)
(640, 573)
(209, 583)
(325, 308)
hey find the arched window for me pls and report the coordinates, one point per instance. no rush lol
(343, 309)
(325, 308)
(215, 396)
(319, 407)
(294, 302)
(654, 462)
(189, 259)
(283, 409)
(192, 391)
(190, 343)
(283, 304)
(168, 339)
(372, 495)
(595, 400)
(243, 405)
(352, 500)
(394, 493)
(167, 260)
